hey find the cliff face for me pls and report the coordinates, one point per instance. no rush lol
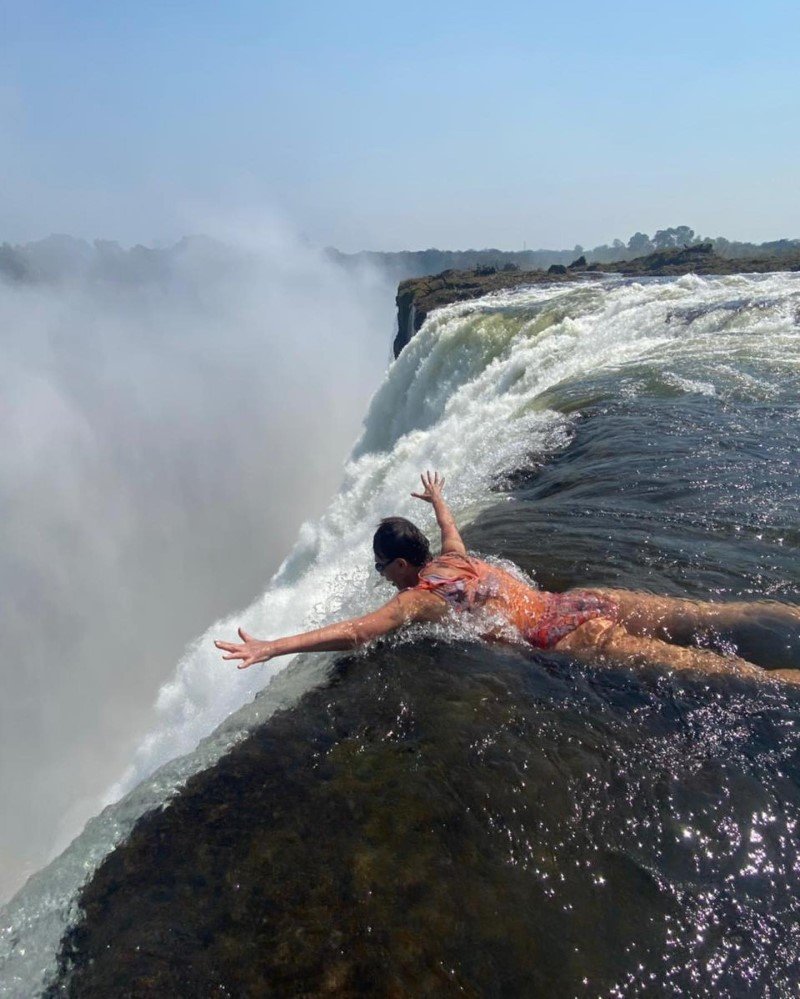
(417, 297)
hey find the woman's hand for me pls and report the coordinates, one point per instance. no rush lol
(432, 486)
(250, 651)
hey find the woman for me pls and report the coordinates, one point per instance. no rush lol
(620, 625)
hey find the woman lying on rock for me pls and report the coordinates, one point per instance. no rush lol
(618, 625)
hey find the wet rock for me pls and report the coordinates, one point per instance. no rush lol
(348, 848)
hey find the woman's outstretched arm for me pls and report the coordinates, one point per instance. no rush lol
(432, 486)
(405, 608)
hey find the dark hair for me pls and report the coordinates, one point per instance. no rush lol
(397, 537)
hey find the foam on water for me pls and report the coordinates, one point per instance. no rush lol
(475, 394)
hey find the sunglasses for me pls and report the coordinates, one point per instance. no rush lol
(380, 566)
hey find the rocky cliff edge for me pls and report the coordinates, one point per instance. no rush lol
(417, 297)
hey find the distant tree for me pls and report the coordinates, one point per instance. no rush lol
(577, 249)
(683, 235)
(11, 263)
(666, 239)
(640, 244)
(618, 244)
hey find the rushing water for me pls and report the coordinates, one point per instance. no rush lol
(605, 832)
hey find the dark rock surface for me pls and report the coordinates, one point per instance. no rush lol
(349, 847)
(419, 296)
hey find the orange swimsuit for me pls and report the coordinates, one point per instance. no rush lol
(541, 618)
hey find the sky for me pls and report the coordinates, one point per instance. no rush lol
(400, 126)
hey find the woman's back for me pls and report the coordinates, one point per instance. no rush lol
(506, 606)
(496, 596)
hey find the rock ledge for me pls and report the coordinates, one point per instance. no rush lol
(417, 297)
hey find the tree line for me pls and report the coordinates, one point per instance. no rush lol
(62, 257)
(418, 263)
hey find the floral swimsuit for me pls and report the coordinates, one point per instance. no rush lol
(543, 619)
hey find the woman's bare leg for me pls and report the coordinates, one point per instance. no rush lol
(611, 640)
(766, 632)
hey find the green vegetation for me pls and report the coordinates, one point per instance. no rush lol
(418, 263)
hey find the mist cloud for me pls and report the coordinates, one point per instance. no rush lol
(169, 419)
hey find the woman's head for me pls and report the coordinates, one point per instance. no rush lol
(401, 549)
(397, 538)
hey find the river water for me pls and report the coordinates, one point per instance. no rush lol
(435, 816)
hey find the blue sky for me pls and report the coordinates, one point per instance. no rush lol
(389, 126)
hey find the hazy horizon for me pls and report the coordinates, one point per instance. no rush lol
(166, 244)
